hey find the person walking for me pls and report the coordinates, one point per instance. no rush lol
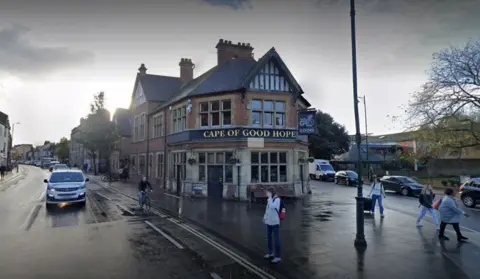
(3, 169)
(272, 221)
(377, 193)
(450, 214)
(426, 204)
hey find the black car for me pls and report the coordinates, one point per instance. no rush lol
(470, 192)
(348, 178)
(402, 184)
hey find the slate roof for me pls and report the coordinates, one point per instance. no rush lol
(123, 119)
(233, 75)
(159, 88)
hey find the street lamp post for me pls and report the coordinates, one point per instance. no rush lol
(364, 99)
(360, 241)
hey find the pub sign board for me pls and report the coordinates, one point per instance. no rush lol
(306, 123)
(238, 133)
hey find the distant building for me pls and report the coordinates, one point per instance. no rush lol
(120, 156)
(22, 150)
(5, 141)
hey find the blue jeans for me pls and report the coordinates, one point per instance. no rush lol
(276, 238)
(141, 198)
(380, 203)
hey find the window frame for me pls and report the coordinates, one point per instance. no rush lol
(269, 165)
(157, 126)
(221, 113)
(160, 166)
(179, 158)
(140, 165)
(224, 164)
(179, 119)
(273, 112)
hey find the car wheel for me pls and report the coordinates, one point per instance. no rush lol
(49, 206)
(405, 191)
(468, 201)
(312, 177)
(82, 204)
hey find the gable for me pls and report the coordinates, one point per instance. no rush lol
(270, 78)
(139, 97)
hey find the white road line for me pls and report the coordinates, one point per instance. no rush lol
(174, 196)
(237, 258)
(124, 208)
(42, 195)
(103, 196)
(173, 241)
(215, 276)
(24, 225)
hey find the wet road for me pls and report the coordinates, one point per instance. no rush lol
(408, 205)
(101, 240)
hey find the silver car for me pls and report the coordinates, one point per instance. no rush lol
(66, 186)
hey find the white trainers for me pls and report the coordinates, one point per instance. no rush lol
(419, 225)
(276, 260)
(268, 256)
(382, 215)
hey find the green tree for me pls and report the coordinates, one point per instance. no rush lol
(331, 138)
(447, 109)
(62, 149)
(98, 134)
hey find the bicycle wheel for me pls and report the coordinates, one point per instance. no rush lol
(104, 178)
(146, 203)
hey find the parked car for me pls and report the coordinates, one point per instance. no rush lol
(402, 184)
(470, 192)
(59, 167)
(348, 178)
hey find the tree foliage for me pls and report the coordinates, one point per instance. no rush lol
(447, 109)
(62, 149)
(331, 138)
(98, 134)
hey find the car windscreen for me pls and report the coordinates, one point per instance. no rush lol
(352, 174)
(404, 179)
(59, 177)
(326, 168)
(58, 166)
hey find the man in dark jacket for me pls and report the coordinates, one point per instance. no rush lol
(3, 169)
(142, 187)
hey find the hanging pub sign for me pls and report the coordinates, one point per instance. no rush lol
(306, 122)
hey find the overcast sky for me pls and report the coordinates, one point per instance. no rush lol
(54, 55)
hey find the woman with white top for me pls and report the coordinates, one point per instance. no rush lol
(272, 220)
(377, 193)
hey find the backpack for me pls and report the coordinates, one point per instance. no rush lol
(420, 199)
(282, 212)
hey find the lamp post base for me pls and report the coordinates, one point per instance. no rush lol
(360, 241)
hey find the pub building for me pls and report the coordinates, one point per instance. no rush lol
(230, 133)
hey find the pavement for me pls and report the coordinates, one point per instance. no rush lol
(318, 234)
(13, 177)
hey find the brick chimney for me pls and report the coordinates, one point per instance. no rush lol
(142, 70)
(226, 51)
(186, 70)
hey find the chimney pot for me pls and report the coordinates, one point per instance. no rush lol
(228, 51)
(186, 70)
(142, 70)
(221, 41)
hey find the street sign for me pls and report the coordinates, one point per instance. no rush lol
(306, 123)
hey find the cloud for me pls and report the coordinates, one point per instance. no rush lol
(24, 58)
(234, 4)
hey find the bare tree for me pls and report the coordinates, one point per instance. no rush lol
(447, 109)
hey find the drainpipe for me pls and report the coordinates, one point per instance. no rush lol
(238, 180)
(165, 122)
(147, 155)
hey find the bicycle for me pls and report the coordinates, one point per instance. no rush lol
(145, 201)
(111, 177)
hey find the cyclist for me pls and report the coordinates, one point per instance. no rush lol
(142, 187)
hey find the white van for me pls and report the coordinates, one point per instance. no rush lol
(321, 170)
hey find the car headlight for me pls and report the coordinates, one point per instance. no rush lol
(83, 186)
(51, 189)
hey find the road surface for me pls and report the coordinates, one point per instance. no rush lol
(104, 239)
